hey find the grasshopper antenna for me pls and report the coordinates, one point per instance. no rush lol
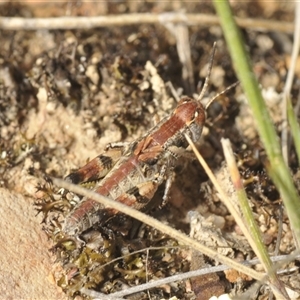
(221, 93)
(204, 89)
(211, 60)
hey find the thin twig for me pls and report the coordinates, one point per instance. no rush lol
(16, 23)
(184, 276)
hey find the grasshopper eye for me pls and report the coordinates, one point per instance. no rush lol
(193, 118)
(199, 116)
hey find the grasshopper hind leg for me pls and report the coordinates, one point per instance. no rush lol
(98, 167)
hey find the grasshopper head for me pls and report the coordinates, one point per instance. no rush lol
(193, 115)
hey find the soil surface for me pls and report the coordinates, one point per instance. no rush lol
(66, 94)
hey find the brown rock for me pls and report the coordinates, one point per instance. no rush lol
(26, 269)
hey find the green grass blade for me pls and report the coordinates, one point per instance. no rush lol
(278, 170)
(295, 129)
(264, 124)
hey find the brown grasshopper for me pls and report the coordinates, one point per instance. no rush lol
(144, 164)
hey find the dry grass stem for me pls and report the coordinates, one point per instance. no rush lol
(181, 238)
(16, 23)
(256, 241)
(236, 213)
(226, 200)
(181, 33)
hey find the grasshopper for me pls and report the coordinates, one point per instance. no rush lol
(133, 174)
